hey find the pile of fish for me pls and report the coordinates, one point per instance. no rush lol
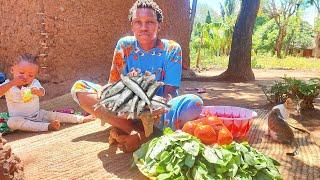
(132, 96)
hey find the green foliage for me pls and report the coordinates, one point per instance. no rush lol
(255, 64)
(215, 35)
(228, 8)
(293, 88)
(211, 41)
(299, 35)
(203, 38)
(179, 155)
(202, 11)
(317, 25)
(208, 18)
(316, 3)
(260, 61)
(264, 37)
(260, 20)
(310, 88)
(290, 62)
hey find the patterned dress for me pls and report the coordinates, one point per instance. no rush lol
(165, 61)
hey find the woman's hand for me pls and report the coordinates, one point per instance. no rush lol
(134, 72)
(154, 115)
(103, 88)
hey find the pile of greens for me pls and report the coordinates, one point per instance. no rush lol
(178, 155)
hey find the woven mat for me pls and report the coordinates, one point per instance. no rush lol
(306, 165)
(82, 152)
(79, 152)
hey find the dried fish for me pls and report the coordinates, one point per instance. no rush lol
(136, 88)
(131, 96)
(150, 93)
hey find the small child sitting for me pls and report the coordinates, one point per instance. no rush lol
(22, 96)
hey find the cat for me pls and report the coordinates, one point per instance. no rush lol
(288, 107)
(279, 129)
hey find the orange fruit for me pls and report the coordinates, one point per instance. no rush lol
(189, 127)
(200, 120)
(224, 136)
(206, 134)
(215, 122)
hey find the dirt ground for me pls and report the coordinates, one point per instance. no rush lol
(82, 152)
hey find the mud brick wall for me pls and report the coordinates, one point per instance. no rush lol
(76, 39)
(19, 30)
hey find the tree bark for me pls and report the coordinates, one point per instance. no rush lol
(316, 49)
(188, 73)
(239, 67)
(193, 14)
(279, 42)
(199, 52)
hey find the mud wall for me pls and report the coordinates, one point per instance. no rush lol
(76, 39)
(19, 27)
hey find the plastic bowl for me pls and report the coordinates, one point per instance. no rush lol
(238, 120)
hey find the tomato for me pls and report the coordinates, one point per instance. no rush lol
(200, 120)
(213, 120)
(206, 134)
(189, 127)
(224, 136)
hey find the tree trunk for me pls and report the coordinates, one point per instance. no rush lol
(188, 73)
(279, 42)
(199, 51)
(290, 46)
(239, 67)
(193, 14)
(316, 49)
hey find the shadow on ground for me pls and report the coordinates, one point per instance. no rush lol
(18, 135)
(122, 164)
(99, 136)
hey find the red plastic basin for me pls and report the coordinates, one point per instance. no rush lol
(238, 120)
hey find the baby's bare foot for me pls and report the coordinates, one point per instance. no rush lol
(88, 118)
(54, 125)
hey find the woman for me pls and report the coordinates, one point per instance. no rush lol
(146, 52)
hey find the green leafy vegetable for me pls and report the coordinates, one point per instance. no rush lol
(178, 155)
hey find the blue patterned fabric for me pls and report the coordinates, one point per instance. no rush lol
(165, 60)
(184, 108)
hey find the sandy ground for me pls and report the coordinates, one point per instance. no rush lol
(82, 152)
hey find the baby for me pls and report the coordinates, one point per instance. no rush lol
(22, 96)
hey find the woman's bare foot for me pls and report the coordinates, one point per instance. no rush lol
(88, 118)
(113, 135)
(130, 143)
(54, 125)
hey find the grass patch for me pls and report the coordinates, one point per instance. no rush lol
(259, 62)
